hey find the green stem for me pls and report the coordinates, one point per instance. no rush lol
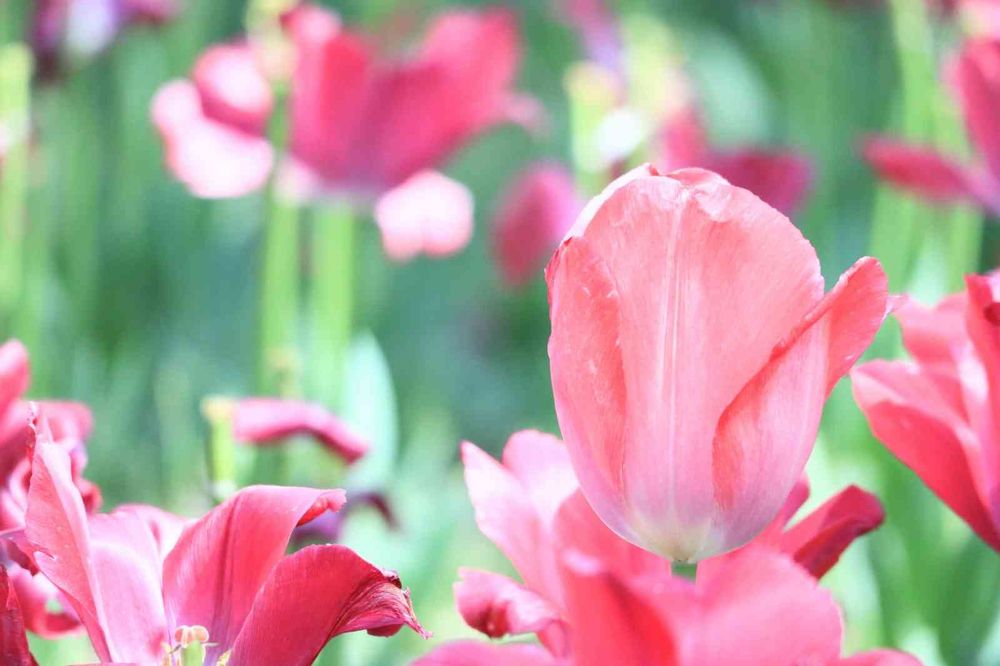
(221, 447)
(279, 299)
(332, 298)
(15, 80)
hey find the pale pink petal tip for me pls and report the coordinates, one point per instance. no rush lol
(427, 214)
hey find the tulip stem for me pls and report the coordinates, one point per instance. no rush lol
(332, 298)
(279, 299)
(15, 80)
(221, 448)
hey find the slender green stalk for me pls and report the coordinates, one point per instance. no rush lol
(279, 290)
(221, 447)
(15, 80)
(332, 298)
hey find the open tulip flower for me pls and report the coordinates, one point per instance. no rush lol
(937, 412)
(692, 351)
(364, 128)
(221, 592)
(69, 425)
(593, 598)
(975, 78)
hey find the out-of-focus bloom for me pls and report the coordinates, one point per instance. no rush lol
(226, 582)
(592, 598)
(82, 28)
(535, 213)
(69, 425)
(976, 80)
(597, 28)
(692, 351)
(214, 126)
(782, 178)
(13, 639)
(937, 412)
(267, 421)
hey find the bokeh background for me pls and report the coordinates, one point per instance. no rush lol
(141, 300)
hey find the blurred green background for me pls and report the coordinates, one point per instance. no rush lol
(141, 300)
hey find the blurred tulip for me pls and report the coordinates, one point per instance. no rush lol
(536, 211)
(692, 351)
(592, 598)
(976, 80)
(214, 126)
(937, 412)
(69, 424)
(266, 421)
(782, 178)
(83, 28)
(226, 584)
(597, 27)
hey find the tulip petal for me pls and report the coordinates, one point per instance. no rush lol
(540, 462)
(36, 595)
(470, 653)
(817, 542)
(497, 606)
(15, 373)
(881, 658)
(918, 169)
(935, 447)
(781, 178)
(270, 420)
(316, 594)
(763, 439)
(212, 159)
(233, 89)
(429, 213)
(977, 75)
(106, 570)
(221, 562)
(13, 640)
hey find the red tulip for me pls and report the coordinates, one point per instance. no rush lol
(265, 421)
(782, 178)
(938, 178)
(537, 210)
(936, 412)
(692, 350)
(69, 425)
(13, 639)
(226, 581)
(213, 126)
(593, 598)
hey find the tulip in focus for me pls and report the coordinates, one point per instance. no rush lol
(692, 351)
(937, 412)
(594, 599)
(222, 590)
(975, 77)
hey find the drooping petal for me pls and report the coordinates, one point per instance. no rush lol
(536, 212)
(13, 640)
(936, 448)
(666, 284)
(498, 606)
(428, 214)
(764, 438)
(107, 570)
(221, 562)
(233, 89)
(471, 653)
(918, 169)
(977, 78)
(212, 159)
(314, 595)
(270, 420)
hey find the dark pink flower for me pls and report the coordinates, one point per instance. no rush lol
(227, 576)
(13, 639)
(936, 412)
(536, 211)
(266, 421)
(975, 77)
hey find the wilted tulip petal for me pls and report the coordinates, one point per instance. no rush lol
(213, 127)
(536, 211)
(267, 421)
(691, 354)
(13, 640)
(428, 214)
(314, 595)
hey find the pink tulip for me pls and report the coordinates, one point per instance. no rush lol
(936, 412)
(782, 178)
(226, 580)
(69, 425)
(939, 178)
(13, 639)
(692, 351)
(537, 210)
(266, 421)
(593, 598)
